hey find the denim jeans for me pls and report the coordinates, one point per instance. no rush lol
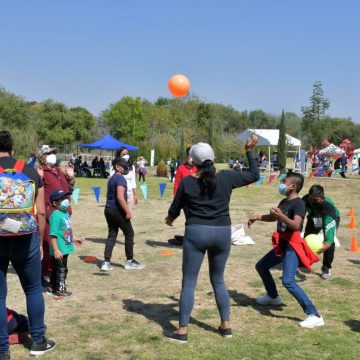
(24, 254)
(290, 262)
(216, 241)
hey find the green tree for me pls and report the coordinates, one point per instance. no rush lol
(125, 119)
(281, 148)
(313, 124)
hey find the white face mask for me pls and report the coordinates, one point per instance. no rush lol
(126, 157)
(51, 159)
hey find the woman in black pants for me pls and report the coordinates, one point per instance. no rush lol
(118, 216)
(208, 229)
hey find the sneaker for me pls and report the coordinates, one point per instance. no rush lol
(226, 333)
(133, 265)
(312, 321)
(267, 300)
(106, 266)
(5, 355)
(63, 293)
(326, 273)
(38, 349)
(49, 291)
(176, 241)
(179, 338)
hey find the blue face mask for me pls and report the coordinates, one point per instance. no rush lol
(64, 204)
(282, 188)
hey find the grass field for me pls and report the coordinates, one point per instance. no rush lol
(122, 314)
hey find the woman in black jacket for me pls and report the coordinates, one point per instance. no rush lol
(208, 228)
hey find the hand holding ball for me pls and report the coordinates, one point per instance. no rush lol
(314, 242)
(179, 85)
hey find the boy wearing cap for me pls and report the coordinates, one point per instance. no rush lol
(62, 243)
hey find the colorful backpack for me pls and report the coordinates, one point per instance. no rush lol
(17, 198)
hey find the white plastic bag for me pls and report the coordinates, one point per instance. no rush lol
(238, 236)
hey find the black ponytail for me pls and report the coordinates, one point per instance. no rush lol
(207, 173)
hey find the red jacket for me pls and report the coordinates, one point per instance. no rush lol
(306, 256)
(182, 171)
(54, 179)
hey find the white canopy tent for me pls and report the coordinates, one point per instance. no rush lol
(268, 137)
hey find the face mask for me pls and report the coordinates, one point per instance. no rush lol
(51, 159)
(282, 188)
(64, 204)
(126, 157)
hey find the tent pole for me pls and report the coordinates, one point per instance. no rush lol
(269, 162)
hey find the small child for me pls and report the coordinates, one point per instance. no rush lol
(289, 249)
(62, 243)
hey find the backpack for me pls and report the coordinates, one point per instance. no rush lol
(17, 198)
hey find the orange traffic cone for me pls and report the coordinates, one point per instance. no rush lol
(354, 244)
(352, 223)
(351, 212)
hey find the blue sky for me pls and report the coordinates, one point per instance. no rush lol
(250, 54)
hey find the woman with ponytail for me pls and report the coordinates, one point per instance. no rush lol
(206, 194)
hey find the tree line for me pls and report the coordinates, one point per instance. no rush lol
(167, 125)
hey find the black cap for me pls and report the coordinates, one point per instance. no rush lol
(58, 194)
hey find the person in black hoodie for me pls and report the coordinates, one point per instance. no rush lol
(206, 195)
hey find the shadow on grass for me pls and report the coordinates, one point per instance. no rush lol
(356, 262)
(155, 244)
(244, 300)
(101, 240)
(354, 325)
(162, 314)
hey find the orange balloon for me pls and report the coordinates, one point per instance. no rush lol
(179, 85)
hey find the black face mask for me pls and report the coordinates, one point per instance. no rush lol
(125, 171)
(316, 205)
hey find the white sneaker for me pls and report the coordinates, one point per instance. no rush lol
(312, 321)
(267, 300)
(106, 266)
(326, 274)
(133, 265)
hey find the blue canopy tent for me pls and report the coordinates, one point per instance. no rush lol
(107, 142)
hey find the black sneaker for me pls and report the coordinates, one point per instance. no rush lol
(38, 349)
(177, 240)
(63, 293)
(5, 355)
(226, 333)
(180, 338)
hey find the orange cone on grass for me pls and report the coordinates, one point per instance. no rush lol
(354, 244)
(352, 223)
(351, 212)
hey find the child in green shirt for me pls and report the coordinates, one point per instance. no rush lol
(62, 243)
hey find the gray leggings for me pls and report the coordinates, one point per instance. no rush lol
(216, 240)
